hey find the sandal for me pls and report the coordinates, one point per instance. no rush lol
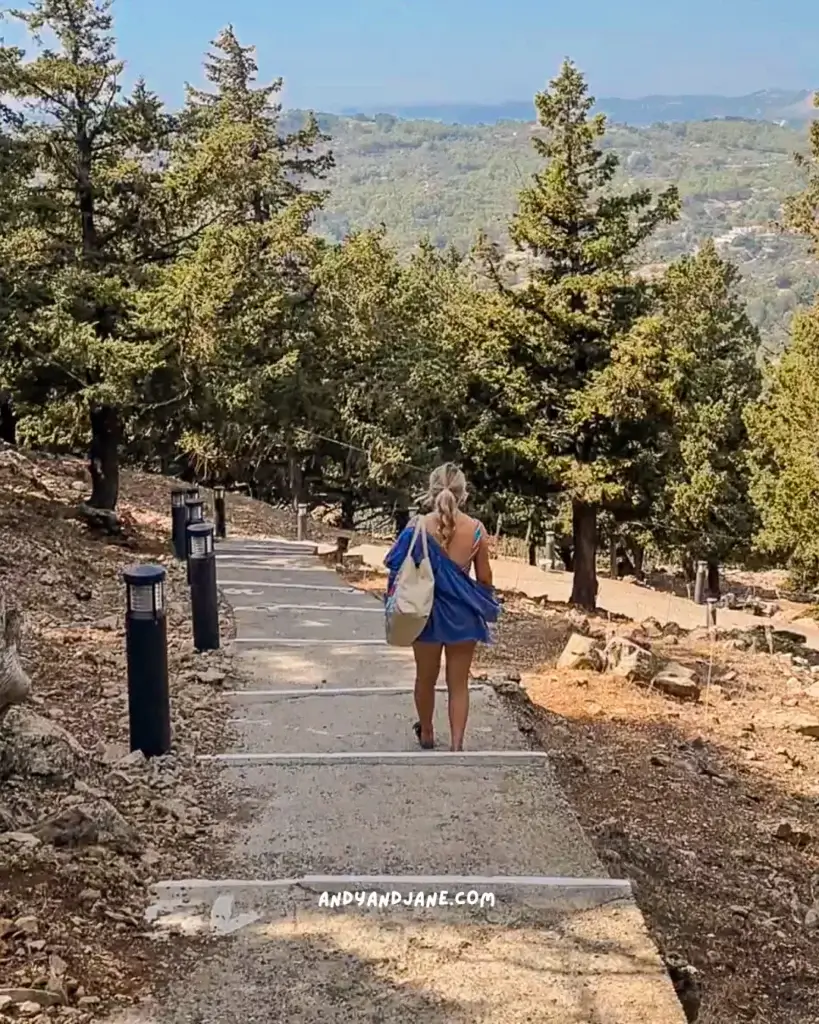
(424, 744)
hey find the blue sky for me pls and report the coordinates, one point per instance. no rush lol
(342, 53)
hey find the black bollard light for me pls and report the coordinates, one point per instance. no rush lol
(219, 512)
(194, 513)
(301, 522)
(202, 575)
(700, 582)
(179, 517)
(146, 644)
(192, 492)
(342, 546)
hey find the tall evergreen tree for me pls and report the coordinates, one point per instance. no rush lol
(96, 226)
(583, 237)
(236, 307)
(703, 509)
(269, 168)
(784, 427)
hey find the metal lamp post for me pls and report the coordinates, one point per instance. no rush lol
(194, 513)
(202, 576)
(146, 642)
(301, 522)
(178, 519)
(219, 511)
(700, 582)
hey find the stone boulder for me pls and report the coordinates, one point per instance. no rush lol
(33, 745)
(804, 725)
(581, 652)
(95, 823)
(677, 681)
(629, 660)
(15, 685)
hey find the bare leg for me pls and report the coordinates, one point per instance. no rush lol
(427, 667)
(458, 664)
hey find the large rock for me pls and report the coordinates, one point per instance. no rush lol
(628, 660)
(15, 685)
(805, 725)
(96, 823)
(677, 681)
(581, 652)
(33, 745)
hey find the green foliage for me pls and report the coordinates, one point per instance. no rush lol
(454, 181)
(701, 508)
(89, 233)
(185, 290)
(784, 428)
(571, 406)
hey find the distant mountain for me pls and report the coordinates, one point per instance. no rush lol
(768, 105)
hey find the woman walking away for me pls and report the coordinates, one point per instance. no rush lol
(461, 607)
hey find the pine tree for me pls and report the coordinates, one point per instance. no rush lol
(582, 236)
(236, 308)
(703, 509)
(783, 428)
(269, 169)
(96, 226)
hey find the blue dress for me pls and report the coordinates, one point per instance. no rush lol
(461, 608)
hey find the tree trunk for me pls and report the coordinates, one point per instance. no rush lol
(348, 512)
(103, 460)
(8, 421)
(625, 566)
(296, 480)
(689, 569)
(713, 586)
(638, 555)
(584, 531)
(564, 550)
(401, 518)
(532, 552)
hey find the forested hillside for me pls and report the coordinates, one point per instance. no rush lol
(190, 291)
(451, 181)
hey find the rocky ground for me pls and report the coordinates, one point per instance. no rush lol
(85, 826)
(707, 800)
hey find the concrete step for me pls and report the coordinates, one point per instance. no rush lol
(354, 624)
(280, 666)
(372, 722)
(416, 818)
(270, 545)
(554, 957)
(275, 574)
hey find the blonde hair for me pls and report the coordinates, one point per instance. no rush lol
(446, 493)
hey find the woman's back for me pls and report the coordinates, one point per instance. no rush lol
(468, 543)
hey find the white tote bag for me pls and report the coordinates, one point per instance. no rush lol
(410, 602)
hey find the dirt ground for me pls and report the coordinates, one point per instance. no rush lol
(71, 906)
(709, 807)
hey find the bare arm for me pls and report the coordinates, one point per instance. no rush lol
(483, 570)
